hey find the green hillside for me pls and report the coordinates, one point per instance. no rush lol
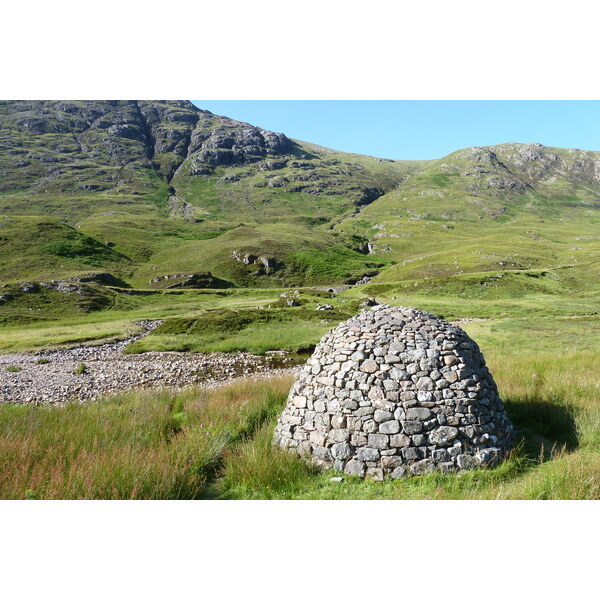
(172, 189)
(489, 221)
(158, 195)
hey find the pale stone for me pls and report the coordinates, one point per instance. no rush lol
(389, 427)
(369, 366)
(443, 436)
(383, 415)
(377, 440)
(400, 441)
(367, 454)
(355, 467)
(341, 451)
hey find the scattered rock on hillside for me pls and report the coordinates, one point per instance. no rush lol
(369, 302)
(277, 182)
(324, 307)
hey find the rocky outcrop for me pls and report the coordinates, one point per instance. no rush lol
(55, 294)
(266, 264)
(204, 280)
(217, 141)
(183, 210)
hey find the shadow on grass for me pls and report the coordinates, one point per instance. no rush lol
(544, 426)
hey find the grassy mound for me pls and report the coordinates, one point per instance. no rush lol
(40, 248)
(251, 330)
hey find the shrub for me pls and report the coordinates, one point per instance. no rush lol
(81, 369)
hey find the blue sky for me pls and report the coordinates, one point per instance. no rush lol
(413, 130)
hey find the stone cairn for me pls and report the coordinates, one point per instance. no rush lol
(396, 391)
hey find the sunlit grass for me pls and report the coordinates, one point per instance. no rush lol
(143, 445)
(197, 443)
(256, 339)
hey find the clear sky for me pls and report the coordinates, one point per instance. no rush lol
(414, 130)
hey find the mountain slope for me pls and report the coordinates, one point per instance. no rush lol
(172, 188)
(503, 209)
(155, 192)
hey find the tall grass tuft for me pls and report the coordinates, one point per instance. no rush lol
(257, 469)
(140, 445)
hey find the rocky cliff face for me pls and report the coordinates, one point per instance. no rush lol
(61, 144)
(125, 146)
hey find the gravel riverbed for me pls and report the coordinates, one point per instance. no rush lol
(49, 376)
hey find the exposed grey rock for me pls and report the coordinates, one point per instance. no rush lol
(389, 427)
(422, 466)
(383, 415)
(277, 182)
(443, 436)
(418, 414)
(488, 457)
(369, 302)
(411, 427)
(341, 451)
(441, 455)
(369, 366)
(367, 454)
(378, 441)
(399, 472)
(400, 441)
(355, 467)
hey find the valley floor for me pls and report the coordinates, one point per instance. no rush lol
(204, 441)
(216, 443)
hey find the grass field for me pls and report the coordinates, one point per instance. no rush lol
(217, 444)
(154, 445)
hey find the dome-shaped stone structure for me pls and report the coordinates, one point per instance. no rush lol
(396, 391)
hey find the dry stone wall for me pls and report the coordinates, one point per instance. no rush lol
(395, 391)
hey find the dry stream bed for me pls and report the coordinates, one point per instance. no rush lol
(51, 376)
